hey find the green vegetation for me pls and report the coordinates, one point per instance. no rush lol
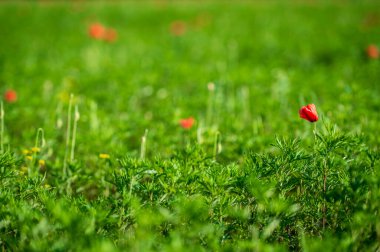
(93, 157)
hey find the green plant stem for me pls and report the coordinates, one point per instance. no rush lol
(2, 127)
(131, 186)
(199, 133)
(143, 145)
(324, 179)
(76, 119)
(40, 131)
(68, 134)
(324, 210)
(216, 144)
(211, 89)
(39, 144)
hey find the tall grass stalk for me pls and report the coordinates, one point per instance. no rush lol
(68, 135)
(143, 145)
(38, 145)
(76, 119)
(210, 102)
(217, 145)
(40, 141)
(199, 133)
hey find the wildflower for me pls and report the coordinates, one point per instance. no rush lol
(10, 96)
(373, 52)
(211, 86)
(97, 31)
(178, 28)
(187, 123)
(309, 112)
(47, 186)
(26, 152)
(104, 156)
(110, 35)
(100, 32)
(41, 162)
(29, 157)
(35, 149)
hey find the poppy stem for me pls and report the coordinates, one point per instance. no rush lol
(185, 139)
(324, 210)
(324, 180)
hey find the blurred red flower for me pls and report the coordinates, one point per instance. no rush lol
(110, 35)
(10, 95)
(178, 28)
(373, 52)
(97, 31)
(187, 123)
(309, 112)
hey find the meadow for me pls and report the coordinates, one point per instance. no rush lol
(175, 126)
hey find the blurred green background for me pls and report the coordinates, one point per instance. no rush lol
(266, 59)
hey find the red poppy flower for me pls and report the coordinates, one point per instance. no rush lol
(178, 28)
(309, 112)
(373, 52)
(187, 123)
(10, 95)
(110, 35)
(97, 31)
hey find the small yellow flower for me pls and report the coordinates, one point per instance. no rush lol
(47, 186)
(26, 152)
(35, 149)
(104, 156)
(41, 162)
(29, 157)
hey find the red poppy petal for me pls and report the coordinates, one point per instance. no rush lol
(309, 112)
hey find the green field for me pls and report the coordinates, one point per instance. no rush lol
(93, 156)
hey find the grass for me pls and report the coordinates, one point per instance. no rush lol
(93, 157)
